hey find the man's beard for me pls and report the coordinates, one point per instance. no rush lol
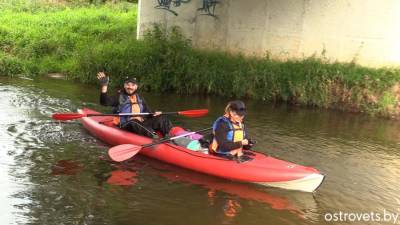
(131, 93)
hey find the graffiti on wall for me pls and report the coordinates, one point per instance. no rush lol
(166, 5)
(208, 7)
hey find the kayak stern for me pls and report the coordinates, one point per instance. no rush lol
(307, 184)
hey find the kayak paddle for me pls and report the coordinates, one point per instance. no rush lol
(123, 152)
(72, 116)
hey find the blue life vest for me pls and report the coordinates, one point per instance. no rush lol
(234, 134)
(125, 106)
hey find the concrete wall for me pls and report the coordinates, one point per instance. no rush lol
(365, 30)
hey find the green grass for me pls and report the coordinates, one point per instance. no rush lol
(48, 40)
(79, 41)
(166, 62)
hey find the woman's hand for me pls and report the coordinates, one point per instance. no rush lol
(245, 142)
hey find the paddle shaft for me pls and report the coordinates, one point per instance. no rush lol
(128, 114)
(72, 116)
(173, 138)
(124, 152)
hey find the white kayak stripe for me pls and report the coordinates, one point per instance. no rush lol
(307, 184)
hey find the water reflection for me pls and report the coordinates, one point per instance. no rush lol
(302, 205)
(122, 178)
(66, 167)
(359, 155)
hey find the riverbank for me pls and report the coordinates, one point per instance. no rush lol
(82, 40)
(37, 39)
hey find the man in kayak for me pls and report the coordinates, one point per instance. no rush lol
(229, 133)
(128, 101)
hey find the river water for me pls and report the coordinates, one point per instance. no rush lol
(56, 173)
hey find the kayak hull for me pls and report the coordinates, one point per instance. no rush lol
(307, 184)
(263, 169)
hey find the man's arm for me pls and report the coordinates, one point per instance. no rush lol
(104, 98)
(146, 108)
(108, 100)
(104, 80)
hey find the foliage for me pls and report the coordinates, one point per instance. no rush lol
(83, 40)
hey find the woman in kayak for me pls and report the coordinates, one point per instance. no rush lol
(230, 136)
(128, 101)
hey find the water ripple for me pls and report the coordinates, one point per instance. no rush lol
(359, 156)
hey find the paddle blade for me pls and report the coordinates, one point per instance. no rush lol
(123, 152)
(194, 113)
(67, 116)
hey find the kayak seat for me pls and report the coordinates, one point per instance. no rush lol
(241, 159)
(109, 123)
(248, 153)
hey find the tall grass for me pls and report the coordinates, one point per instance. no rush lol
(48, 39)
(81, 41)
(166, 62)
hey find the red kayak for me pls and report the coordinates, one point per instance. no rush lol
(262, 169)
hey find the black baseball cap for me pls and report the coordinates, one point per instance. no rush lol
(130, 80)
(238, 107)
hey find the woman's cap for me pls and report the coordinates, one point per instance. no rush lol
(238, 106)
